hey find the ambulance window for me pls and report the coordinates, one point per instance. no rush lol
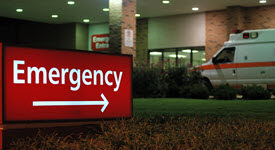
(226, 55)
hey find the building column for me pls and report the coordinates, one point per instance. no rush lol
(220, 24)
(235, 19)
(216, 32)
(121, 18)
(142, 39)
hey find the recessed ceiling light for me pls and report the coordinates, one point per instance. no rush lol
(195, 8)
(137, 15)
(187, 51)
(86, 20)
(19, 10)
(105, 9)
(155, 53)
(165, 2)
(179, 56)
(71, 2)
(54, 16)
(262, 1)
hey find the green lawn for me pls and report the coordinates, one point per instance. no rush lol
(252, 109)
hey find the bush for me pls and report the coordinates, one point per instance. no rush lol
(165, 79)
(255, 92)
(195, 76)
(176, 78)
(148, 82)
(273, 92)
(198, 91)
(225, 92)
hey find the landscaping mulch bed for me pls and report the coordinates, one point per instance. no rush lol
(154, 132)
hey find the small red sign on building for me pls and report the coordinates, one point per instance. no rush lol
(100, 42)
(43, 84)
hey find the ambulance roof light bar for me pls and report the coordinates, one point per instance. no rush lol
(236, 31)
(246, 35)
(252, 35)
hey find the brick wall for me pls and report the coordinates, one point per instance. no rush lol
(115, 15)
(236, 16)
(121, 17)
(260, 17)
(219, 24)
(216, 29)
(128, 22)
(142, 39)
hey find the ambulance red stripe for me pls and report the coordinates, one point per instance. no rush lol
(238, 65)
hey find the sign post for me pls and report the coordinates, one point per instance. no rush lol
(43, 85)
(1, 96)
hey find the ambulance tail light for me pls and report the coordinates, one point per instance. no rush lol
(246, 35)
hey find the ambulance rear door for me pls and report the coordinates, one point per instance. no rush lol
(254, 64)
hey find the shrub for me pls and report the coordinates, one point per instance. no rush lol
(255, 92)
(148, 82)
(185, 83)
(197, 90)
(225, 92)
(195, 77)
(175, 78)
(164, 79)
(273, 92)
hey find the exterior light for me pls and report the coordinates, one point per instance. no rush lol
(105, 9)
(137, 15)
(19, 10)
(195, 8)
(70, 2)
(86, 20)
(54, 16)
(195, 51)
(262, 1)
(165, 2)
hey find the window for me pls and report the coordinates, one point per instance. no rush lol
(176, 56)
(198, 57)
(155, 57)
(170, 58)
(184, 56)
(226, 55)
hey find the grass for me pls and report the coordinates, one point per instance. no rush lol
(253, 109)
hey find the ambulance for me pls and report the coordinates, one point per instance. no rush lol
(248, 58)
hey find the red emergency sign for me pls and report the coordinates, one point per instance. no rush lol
(44, 84)
(100, 42)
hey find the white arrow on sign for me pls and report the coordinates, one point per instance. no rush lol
(105, 103)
